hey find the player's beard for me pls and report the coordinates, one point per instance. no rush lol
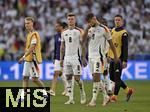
(94, 25)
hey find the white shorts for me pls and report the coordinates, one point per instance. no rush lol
(72, 67)
(95, 65)
(31, 69)
(57, 66)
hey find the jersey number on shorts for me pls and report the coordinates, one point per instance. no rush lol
(97, 65)
(70, 39)
(78, 68)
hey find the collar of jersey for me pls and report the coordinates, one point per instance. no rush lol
(119, 28)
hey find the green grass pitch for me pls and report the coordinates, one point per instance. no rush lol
(139, 102)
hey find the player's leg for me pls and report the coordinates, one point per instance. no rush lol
(40, 84)
(111, 74)
(115, 75)
(119, 83)
(104, 83)
(128, 91)
(54, 82)
(82, 91)
(63, 77)
(96, 86)
(102, 89)
(25, 83)
(95, 70)
(77, 69)
(107, 82)
(26, 74)
(112, 78)
(35, 72)
(57, 73)
(70, 89)
(69, 74)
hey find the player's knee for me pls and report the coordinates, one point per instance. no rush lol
(96, 77)
(77, 79)
(57, 74)
(25, 78)
(69, 77)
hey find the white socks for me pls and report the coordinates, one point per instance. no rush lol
(103, 90)
(70, 89)
(95, 90)
(63, 77)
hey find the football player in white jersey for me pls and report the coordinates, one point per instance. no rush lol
(70, 45)
(95, 32)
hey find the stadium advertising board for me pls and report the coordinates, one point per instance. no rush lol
(136, 70)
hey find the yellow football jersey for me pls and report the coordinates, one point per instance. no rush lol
(37, 52)
(117, 41)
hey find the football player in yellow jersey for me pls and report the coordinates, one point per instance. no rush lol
(32, 57)
(120, 41)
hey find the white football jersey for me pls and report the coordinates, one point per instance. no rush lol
(104, 46)
(72, 38)
(96, 37)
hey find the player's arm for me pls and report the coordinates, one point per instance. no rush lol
(30, 49)
(84, 49)
(124, 52)
(54, 48)
(107, 35)
(85, 33)
(62, 50)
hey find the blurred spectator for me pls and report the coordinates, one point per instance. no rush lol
(13, 12)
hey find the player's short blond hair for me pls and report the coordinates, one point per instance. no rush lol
(30, 19)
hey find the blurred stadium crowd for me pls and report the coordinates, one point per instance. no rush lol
(46, 12)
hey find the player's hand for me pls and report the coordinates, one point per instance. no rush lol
(88, 26)
(108, 59)
(84, 62)
(61, 63)
(116, 59)
(124, 64)
(21, 60)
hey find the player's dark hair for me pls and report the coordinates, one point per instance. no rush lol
(70, 14)
(64, 25)
(103, 21)
(89, 16)
(58, 22)
(118, 15)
